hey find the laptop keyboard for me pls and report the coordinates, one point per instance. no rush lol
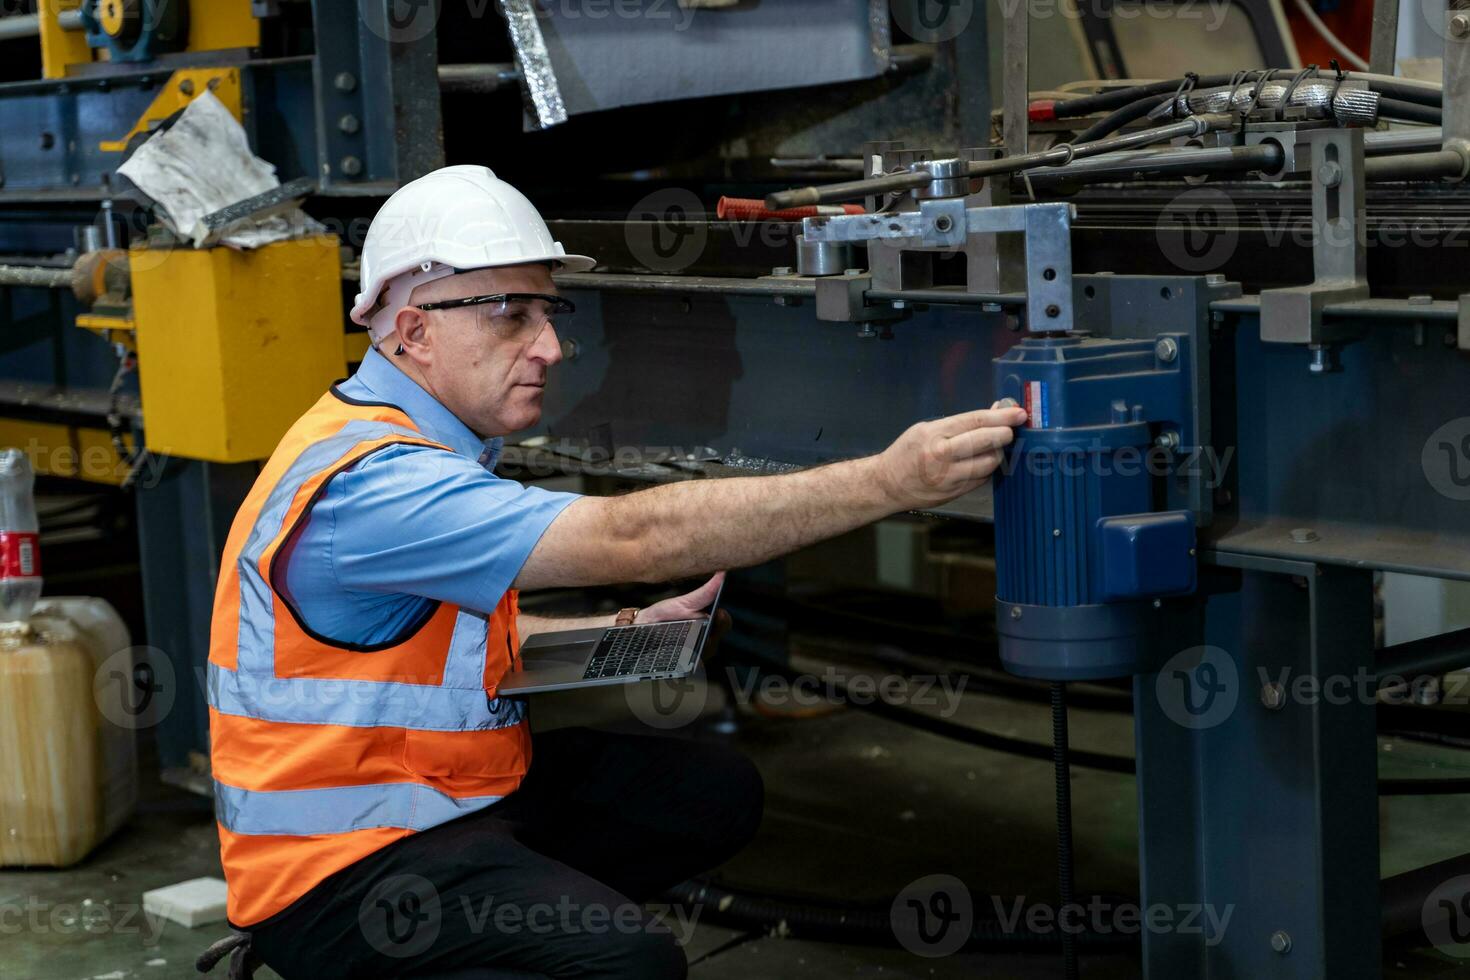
(638, 650)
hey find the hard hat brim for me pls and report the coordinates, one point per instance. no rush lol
(564, 262)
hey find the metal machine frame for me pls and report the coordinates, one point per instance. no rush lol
(1311, 402)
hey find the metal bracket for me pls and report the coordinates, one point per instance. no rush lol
(840, 299)
(1016, 78)
(1293, 315)
(948, 224)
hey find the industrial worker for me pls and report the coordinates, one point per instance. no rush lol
(381, 812)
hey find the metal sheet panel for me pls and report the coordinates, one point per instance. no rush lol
(635, 52)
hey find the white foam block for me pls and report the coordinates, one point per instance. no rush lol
(198, 902)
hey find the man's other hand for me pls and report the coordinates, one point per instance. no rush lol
(935, 462)
(687, 606)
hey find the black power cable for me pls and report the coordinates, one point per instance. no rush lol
(1132, 112)
(1101, 761)
(1065, 886)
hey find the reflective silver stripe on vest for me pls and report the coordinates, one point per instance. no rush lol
(361, 704)
(458, 703)
(340, 809)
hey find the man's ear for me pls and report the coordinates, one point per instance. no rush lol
(411, 333)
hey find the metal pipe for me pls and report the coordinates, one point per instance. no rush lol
(1431, 655)
(20, 25)
(1434, 165)
(478, 79)
(1402, 141)
(38, 276)
(1150, 164)
(1057, 156)
(800, 197)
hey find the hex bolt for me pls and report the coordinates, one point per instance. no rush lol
(1281, 941)
(349, 124)
(1273, 696)
(351, 166)
(1015, 612)
(1168, 439)
(345, 81)
(1304, 535)
(852, 272)
(900, 304)
(1459, 26)
(1321, 359)
(781, 270)
(1329, 174)
(187, 86)
(1166, 349)
(782, 300)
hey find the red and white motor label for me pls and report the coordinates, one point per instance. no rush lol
(1037, 414)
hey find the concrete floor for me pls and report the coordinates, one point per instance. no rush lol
(858, 808)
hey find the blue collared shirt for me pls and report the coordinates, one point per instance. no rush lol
(408, 525)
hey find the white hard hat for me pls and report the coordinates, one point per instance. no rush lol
(452, 220)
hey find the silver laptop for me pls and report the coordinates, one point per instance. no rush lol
(568, 659)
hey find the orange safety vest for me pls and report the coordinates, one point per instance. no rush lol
(323, 752)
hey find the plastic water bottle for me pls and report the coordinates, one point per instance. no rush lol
(20, 555)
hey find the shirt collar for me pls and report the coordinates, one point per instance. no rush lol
(385, 383)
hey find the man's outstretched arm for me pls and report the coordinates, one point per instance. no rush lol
(686, 529)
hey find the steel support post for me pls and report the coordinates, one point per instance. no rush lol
(1257, 766)
(1016, 76)
(182, 525)
(1382, 54)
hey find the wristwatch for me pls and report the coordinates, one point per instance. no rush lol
(626, 616)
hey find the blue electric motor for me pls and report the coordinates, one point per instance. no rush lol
(1081, 549)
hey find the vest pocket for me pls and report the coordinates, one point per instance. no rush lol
(471, 763)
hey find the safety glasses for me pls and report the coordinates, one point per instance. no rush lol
(511, 315)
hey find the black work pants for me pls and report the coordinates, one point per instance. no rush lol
(546, 883)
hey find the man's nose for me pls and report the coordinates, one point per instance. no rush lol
(547, 346)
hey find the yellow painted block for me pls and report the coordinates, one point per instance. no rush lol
(214, 25)
(217, 24)
(63, 450)
(59, 47)
(234, 346)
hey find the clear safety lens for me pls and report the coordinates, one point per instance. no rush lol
(521, 319)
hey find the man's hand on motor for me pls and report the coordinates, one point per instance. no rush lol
(935, 462)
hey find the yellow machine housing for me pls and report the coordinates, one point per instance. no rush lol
(214, 25)
(234, 346)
